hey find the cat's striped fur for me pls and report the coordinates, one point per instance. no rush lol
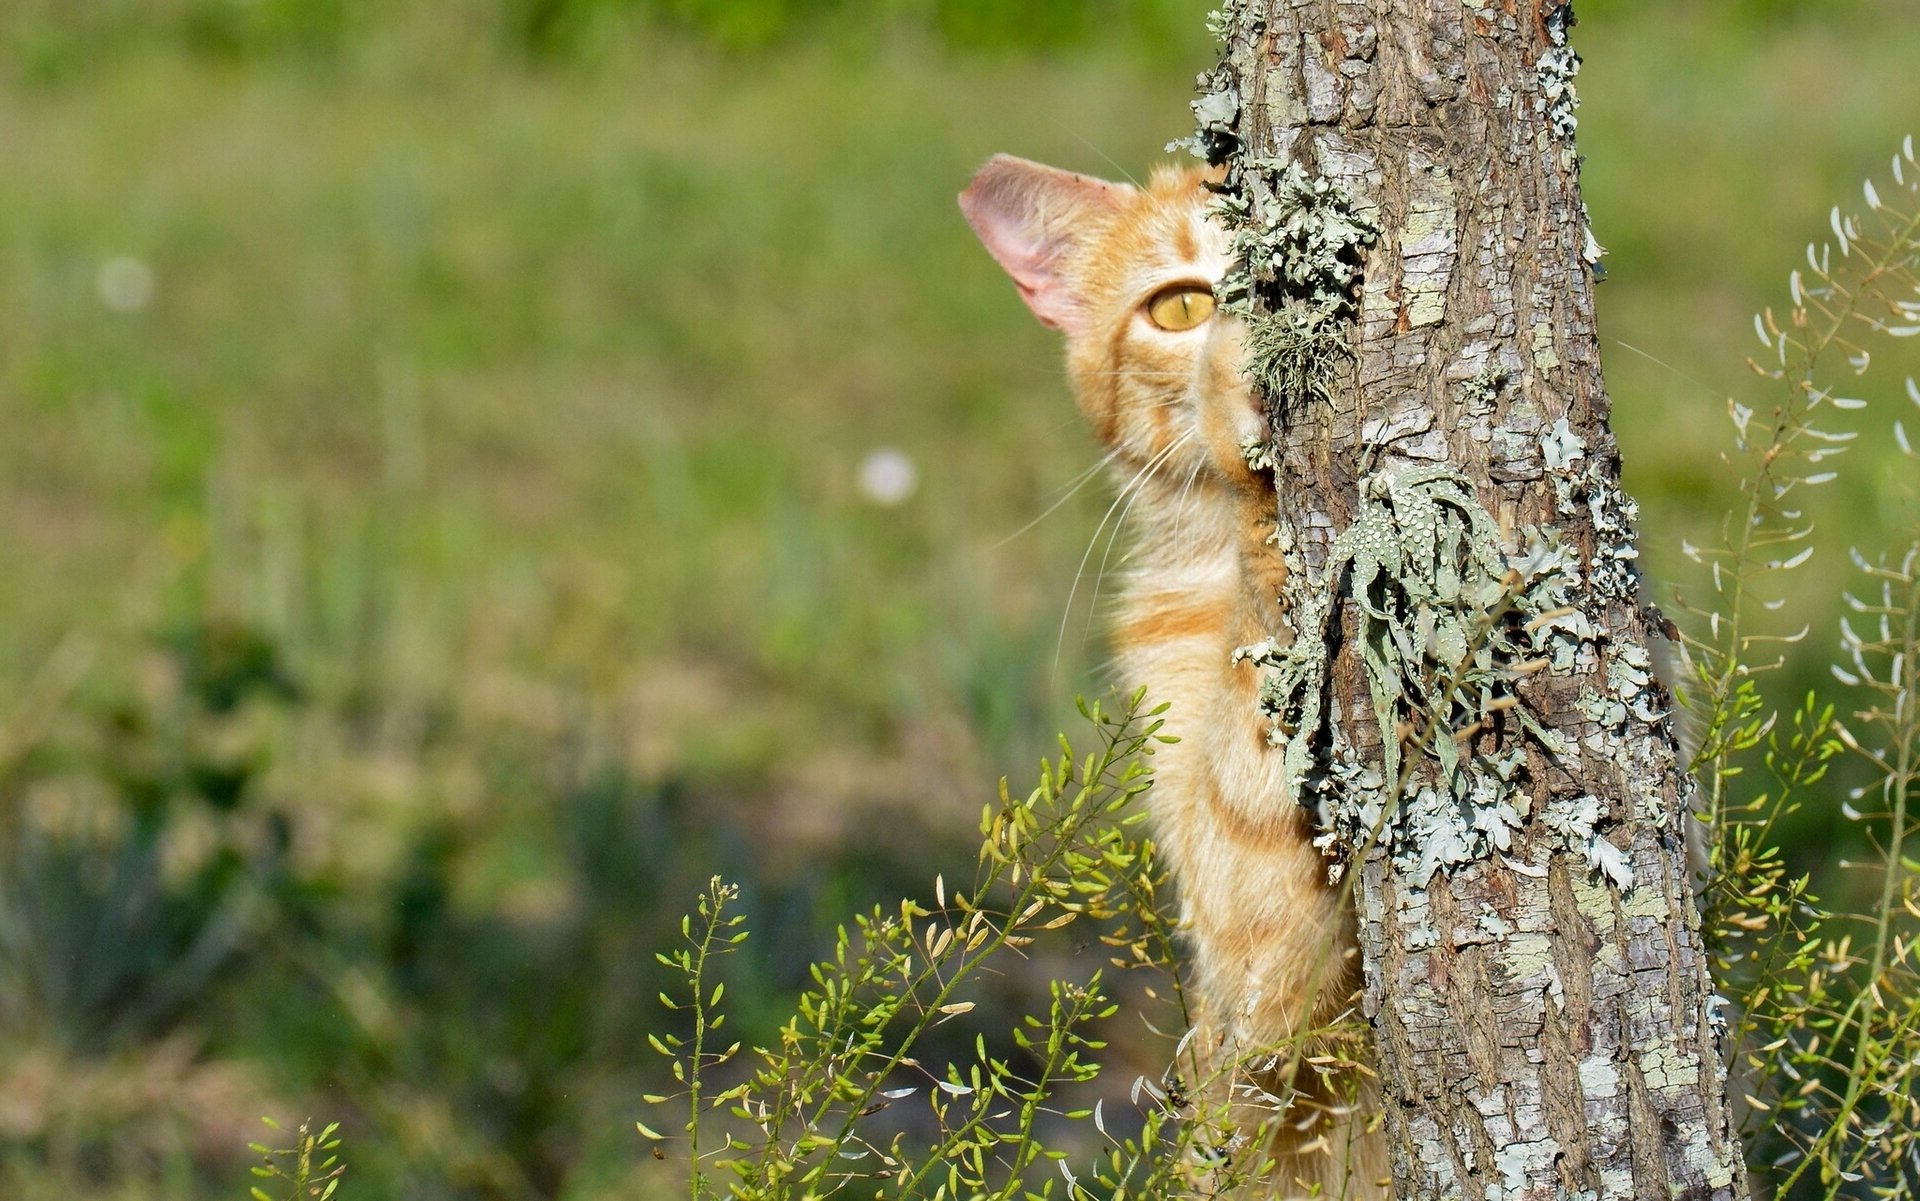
(1271, 942)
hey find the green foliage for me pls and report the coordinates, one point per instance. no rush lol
(822, 1106)
(1826, 998)
(111, 929)
(165, 897)
(309, 1169)
(49, 37)
(850, 1095)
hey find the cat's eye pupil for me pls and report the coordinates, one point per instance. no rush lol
(1180, 307)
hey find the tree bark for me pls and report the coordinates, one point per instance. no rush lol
(1467, 700)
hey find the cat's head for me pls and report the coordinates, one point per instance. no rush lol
(1127, 274)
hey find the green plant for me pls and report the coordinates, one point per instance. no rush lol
(122, 903)
(803, 1119)
(1825, 999)
(850, 1094)
(309, 1167)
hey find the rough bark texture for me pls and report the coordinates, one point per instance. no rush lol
(1538, 992)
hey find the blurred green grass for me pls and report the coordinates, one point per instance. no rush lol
(460, 553)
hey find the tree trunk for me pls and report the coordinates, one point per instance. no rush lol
(1467, 697)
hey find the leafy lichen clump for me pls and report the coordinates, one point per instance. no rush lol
(1216, 109)
(1558, 101)
(1449, 621)
(1215, 112)
(1575, 819)
(1296, 263)
(1615, 567)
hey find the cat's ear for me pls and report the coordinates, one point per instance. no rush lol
(1028, 215)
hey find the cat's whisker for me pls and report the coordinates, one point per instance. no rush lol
(1072, 488)
(1075, 484)
(1105, 667)
(1179, 501)
(1099, 577)
(1194, 475)
(1705, 388)
(1126, 490)
(1187, 488)
(1111, 161)
(1109, 373)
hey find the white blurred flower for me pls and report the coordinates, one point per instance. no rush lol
(887, 476)
(125, 284)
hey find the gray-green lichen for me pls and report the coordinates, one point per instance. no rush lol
(1216, 108)
(1546, 358)
(1449, 622)
(1260, 454)
(1216, 112)
(1633, 692)
(1575, 819)
(1556, 71)
(1558, 102)
(1614, 568)
(1478, 393)
(1631, 675)
(1561, 447)
(1296, 260)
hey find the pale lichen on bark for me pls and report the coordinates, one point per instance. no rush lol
(1469, 698)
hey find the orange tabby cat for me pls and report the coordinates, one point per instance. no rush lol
(1127, 275)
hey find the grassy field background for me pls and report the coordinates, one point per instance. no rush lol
(434, 540)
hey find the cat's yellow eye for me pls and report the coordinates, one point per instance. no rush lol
(1180, 307)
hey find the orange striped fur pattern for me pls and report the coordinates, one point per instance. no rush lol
(1270, 941)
